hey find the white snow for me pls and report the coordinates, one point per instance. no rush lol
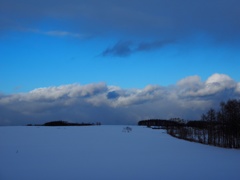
(106, 152)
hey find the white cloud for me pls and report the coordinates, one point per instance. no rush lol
(193, 86)
(189, 98)
(191, 81)
(67, 91)
(217, 83)
(218, 78)
(237, 90)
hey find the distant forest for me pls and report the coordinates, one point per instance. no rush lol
(219, 128)
(65, 123)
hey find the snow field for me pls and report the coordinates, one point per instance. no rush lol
(105, 152)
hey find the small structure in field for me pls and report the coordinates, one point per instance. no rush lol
(127, 129)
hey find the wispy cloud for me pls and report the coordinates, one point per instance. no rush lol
(63, 33)
(58, 33)
(189, 98)
(126, 48)
(147, 46)
(121, 49)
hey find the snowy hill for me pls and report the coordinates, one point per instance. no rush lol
(108, 152)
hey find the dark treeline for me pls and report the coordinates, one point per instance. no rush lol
(219, 128)
(158, 123)
(65, 123)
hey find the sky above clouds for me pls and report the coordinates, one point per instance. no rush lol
(122, 61)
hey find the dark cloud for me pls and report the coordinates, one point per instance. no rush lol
(148, 18)
(188, 99)
(121, 49)
(126, 48)
(147, 46)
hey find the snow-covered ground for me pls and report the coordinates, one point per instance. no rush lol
(105, 152)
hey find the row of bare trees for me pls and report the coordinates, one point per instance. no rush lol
(218, 128)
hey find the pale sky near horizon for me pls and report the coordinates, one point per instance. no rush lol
(125, 44)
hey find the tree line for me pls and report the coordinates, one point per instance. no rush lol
(217, 127)
(65, 123)
(158, 123)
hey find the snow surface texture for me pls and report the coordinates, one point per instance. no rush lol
(106, 152)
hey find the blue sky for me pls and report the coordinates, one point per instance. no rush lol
(129, 45)
(30, 60)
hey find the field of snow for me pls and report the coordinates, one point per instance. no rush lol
(105, 152)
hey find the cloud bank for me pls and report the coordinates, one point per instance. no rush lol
(187, 99)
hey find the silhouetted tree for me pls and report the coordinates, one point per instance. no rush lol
(218, 128)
